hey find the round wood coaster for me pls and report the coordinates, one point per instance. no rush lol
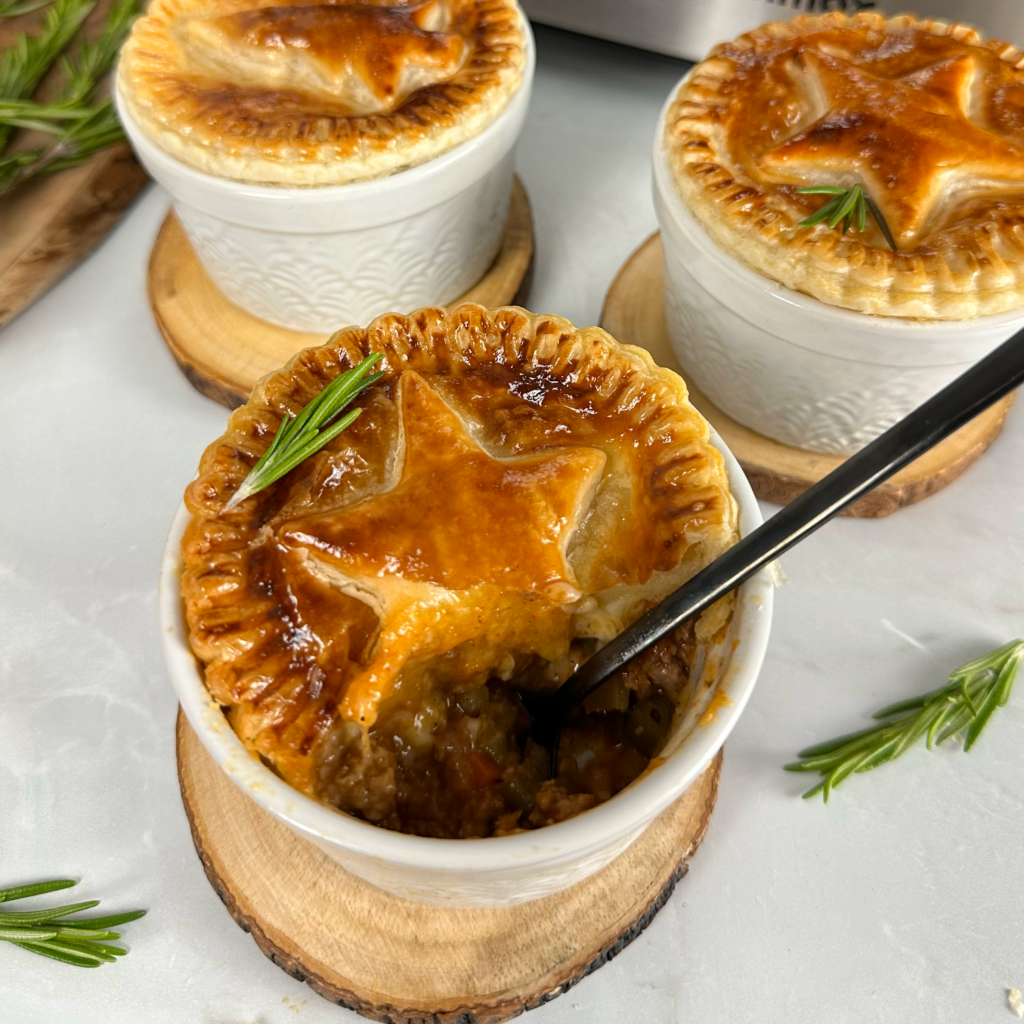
(634, 313)
(223, 350)
(404, 962)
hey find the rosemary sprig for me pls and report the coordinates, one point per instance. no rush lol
(83, 137)
(16, 8)
(80, 941)
(848, 206)
(23, 65)
(91, 61)
(966, 702)
(303, 435)
(43, 117)
(80, 125)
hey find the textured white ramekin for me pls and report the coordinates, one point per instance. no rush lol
(509, 869)
(787, 365)
(320, 258)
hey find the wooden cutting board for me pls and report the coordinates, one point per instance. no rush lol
(49, 225)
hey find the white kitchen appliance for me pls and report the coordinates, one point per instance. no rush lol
(689, 28)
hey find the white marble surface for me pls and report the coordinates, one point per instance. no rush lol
(902, 901)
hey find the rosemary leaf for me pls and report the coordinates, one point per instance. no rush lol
(45, 949)
(919, 725)
(82, 947)
(994, 660)
(26, 934)
(823, 190)
(876, 214)
(314, 443)
(86, 933)
(954, 723)
(848, 767)
(79, 949)
(829, 746)
(940, 720)
(966, 702)
(20, 892)
(980, 717)
(879, 756)
(111, 921)
(844, 208)
(819, 788)
(1007, 674)
(10, 109)
(300, 436)
(16, 8)
(848, 206)
(76, 941)
(825, 213)
(913, 703)
(31, 125)
(35, 916)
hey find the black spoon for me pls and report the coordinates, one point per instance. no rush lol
(974, 391)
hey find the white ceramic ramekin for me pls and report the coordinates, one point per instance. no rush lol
(789, 366)
(320, 258)
(509, 869)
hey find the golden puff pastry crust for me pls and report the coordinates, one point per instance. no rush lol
(927, 117)
(512, 485)
(319, 92)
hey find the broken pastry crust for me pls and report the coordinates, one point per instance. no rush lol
(928, 117)
(307, 92)
(512, 485)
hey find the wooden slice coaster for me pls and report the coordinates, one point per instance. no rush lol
(223, 350)
(404, 962)
(634, 313)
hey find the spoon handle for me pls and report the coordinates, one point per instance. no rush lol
(984, 383)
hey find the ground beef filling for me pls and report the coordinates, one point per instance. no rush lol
(461, 764)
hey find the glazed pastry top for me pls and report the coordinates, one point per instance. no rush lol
(314, 93)
(926, 117)
(513, 487)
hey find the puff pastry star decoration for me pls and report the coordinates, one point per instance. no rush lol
(460, 539)
(358, 58)
(514, 492)
(908, 139)
(319, 92)
(928, 118)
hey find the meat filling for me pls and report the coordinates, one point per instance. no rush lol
(461, 764)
